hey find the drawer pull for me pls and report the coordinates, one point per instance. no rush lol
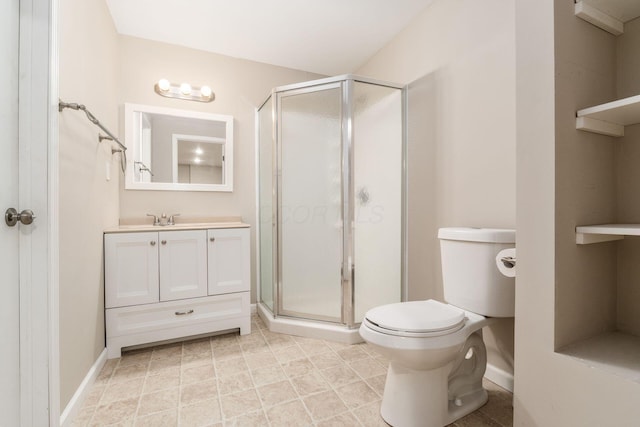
(182, 313)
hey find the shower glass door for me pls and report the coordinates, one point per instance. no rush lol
(265, 202)
(310, 224)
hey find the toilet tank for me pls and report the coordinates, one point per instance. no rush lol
(470, 275)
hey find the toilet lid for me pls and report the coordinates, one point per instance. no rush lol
(420, 317)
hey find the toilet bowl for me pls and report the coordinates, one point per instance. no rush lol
(437, 357)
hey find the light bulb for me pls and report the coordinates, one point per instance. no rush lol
(205, 91)
(164, 85)
(185, 89)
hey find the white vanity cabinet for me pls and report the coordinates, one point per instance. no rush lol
(174, 283)
(228, 257)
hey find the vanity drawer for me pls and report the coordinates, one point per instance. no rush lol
(133, 325)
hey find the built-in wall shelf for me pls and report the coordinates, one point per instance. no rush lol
(613, 352)
(610, 118)
(588, 234)
(610, 15)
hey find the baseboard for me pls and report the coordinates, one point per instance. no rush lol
(254, 308)
(500, 377)
(75, 404)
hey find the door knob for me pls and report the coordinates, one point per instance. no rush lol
(11, 217)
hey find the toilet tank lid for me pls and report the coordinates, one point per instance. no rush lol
(470, 234)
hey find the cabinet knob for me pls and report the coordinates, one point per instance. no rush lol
(152, 243)
(212, 239)
(164, 242)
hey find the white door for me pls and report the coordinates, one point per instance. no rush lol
(130, 269)
(9, 236)
(229, 260)
(183, 264)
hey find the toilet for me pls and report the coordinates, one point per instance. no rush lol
(437, 357)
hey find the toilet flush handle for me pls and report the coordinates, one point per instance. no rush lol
(508, 261)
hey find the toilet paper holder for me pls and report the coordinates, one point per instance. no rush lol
(508, 261)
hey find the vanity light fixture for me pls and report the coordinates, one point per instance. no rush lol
(183, 91)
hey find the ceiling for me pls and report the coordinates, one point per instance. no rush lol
(328, 37)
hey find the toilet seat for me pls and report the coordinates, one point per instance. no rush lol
(418, 319)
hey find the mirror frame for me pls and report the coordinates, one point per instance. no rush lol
(130, 141)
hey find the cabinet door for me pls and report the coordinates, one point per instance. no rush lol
(229, 260)
(183, 264)
(130, 269)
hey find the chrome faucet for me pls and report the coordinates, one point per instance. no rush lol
(156, 220)
(162, 220)
(171, 220)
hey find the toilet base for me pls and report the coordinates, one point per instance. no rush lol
(436, 397)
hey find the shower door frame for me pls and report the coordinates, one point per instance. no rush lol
(346, 83)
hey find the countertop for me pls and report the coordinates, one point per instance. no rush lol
(139, 225)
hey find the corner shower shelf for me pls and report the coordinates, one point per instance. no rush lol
(588, 234)
(610, 118)
(609, 15)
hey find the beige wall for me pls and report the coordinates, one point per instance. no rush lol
(88, 202)
(459, 56)
(628, 181)
(555, 190)
(240, 86)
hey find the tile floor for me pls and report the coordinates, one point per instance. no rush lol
(261, 379)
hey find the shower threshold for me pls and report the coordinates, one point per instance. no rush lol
(308, 328)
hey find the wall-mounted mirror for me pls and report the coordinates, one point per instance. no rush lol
(178, 149)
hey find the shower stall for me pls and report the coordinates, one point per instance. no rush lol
(331, 198)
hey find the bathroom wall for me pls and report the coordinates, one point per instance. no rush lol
(628, 181)
(459, 56)
(552, 389)
(240, 86)
(88, 202)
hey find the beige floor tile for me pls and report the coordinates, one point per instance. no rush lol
(231, 367)
(367, 367)
(324, 405)
(161, 380)
(350, 354)
(254, 419)
(296, 368)
(276, 393)
(345, 419)
(199, 414)
(339, 375)
(289, 353)
(326, 360)
(235, 383)
(267, 375)
(357, 394)
(202, 345)
(192, 374)
(160, 419)
(369, 415)
(224, 340)
(241, 403)
(311, 346)
(94, 395)
(167, 350)
(290, 414)
(230, 351)
(158, 401)
(196, 383)
(122, 390)
(126, 373)
(377, 383)
(136, 357)
(262, 359)
(196, 392)
(115, 412)
(165, 363)
(311, 383)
